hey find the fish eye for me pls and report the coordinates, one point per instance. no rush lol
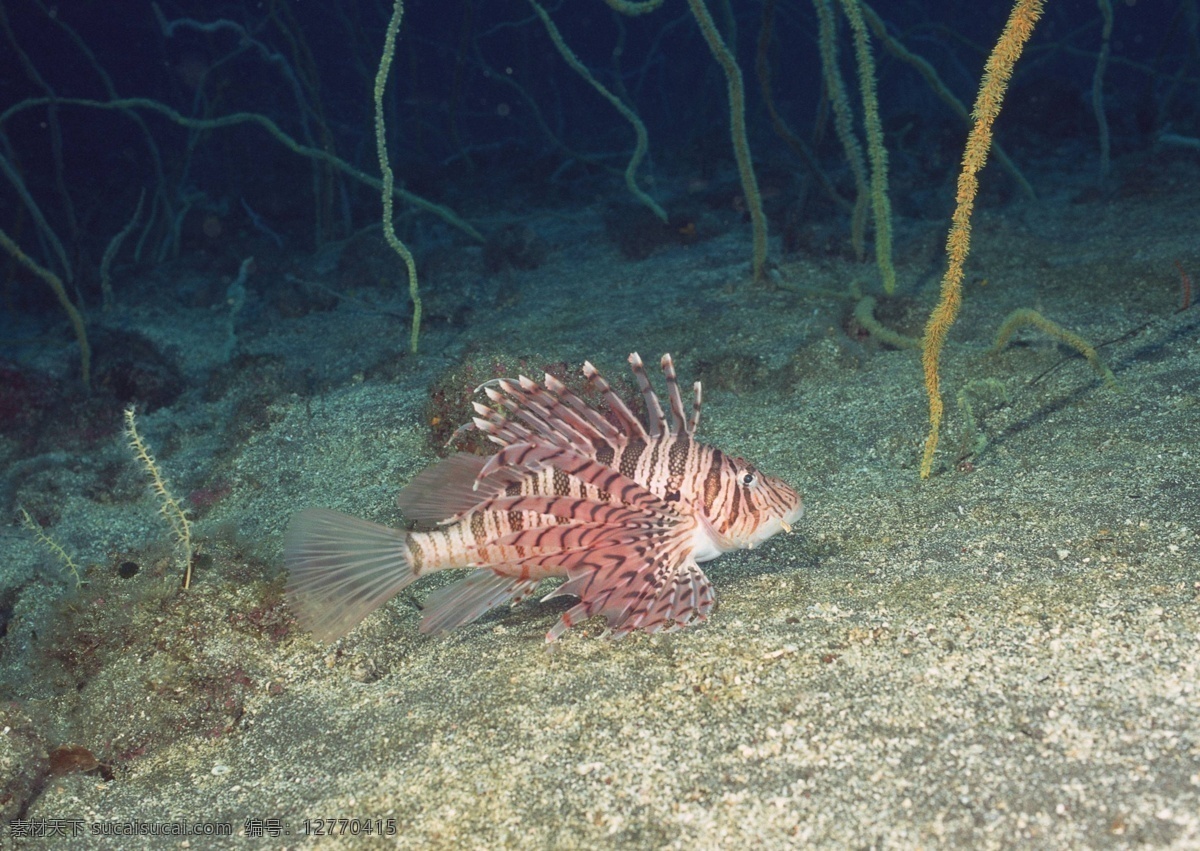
(748, 479)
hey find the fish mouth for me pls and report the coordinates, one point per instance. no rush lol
(774, 525)
(791, 518)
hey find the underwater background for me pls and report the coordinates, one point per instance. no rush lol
(1004, 653)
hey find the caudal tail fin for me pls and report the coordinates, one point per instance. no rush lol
(340, 569)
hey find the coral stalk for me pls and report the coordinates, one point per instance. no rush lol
(737, 130)
(169, 507)
(997, 73)
(389, 231)
(881, 205)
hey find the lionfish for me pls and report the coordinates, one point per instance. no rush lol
(624, 510)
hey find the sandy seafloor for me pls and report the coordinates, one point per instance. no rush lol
(1005, 655)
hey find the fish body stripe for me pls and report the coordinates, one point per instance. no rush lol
(654, 470)
(479, 529)
(677, 460)
(629, 458)
(416, 556)
(713, 483)
(735, 507)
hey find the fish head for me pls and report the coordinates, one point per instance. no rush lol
(747, 506)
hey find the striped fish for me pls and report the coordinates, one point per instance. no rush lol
(624, 510)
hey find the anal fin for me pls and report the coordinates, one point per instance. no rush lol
(467, 599)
